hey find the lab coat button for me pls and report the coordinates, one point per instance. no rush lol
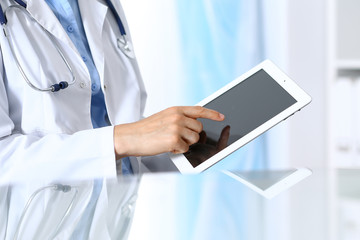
(104, 87)
(82, 85)
(70, 29)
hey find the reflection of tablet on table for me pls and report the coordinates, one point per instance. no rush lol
(252, 104)
(270, 183)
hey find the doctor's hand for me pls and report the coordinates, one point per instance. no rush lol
(171, 130)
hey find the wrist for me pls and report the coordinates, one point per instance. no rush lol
(121, 142)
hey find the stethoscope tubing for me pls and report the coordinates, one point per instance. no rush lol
(122, 43)
(55, 187)
(53, 88)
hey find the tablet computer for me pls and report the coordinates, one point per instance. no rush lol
(270, 183)
(252, 104)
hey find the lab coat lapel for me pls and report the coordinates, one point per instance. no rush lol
(43, 14)
(93, 15)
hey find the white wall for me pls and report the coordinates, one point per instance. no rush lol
(307, 128)
(296, 38)
(306, 65)
(154, 31)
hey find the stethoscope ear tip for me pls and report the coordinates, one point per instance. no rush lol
(63, 84)
(59, 86)
(63, 188)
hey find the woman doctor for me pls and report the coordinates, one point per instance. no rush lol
(78, 132)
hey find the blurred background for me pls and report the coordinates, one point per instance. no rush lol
(189, 49)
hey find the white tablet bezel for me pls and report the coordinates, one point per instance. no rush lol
(277, 187)
(302, 99)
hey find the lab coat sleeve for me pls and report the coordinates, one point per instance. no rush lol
(82, 155)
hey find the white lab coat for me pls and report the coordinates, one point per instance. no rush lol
(50, 135)
(113, 210)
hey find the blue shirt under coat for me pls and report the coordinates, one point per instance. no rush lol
(68, 14)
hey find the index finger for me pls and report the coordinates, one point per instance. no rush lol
(201, 112)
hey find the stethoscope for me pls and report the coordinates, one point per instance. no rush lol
(126, 210)
(122, 43)
(54, 187)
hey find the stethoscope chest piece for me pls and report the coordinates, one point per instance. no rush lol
(126, 47)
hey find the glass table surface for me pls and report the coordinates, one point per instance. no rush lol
(325, 205)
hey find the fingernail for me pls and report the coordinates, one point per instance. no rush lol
(221, 115)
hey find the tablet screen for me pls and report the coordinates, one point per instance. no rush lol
(246, 106)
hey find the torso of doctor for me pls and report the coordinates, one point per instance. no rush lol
(51, 134)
